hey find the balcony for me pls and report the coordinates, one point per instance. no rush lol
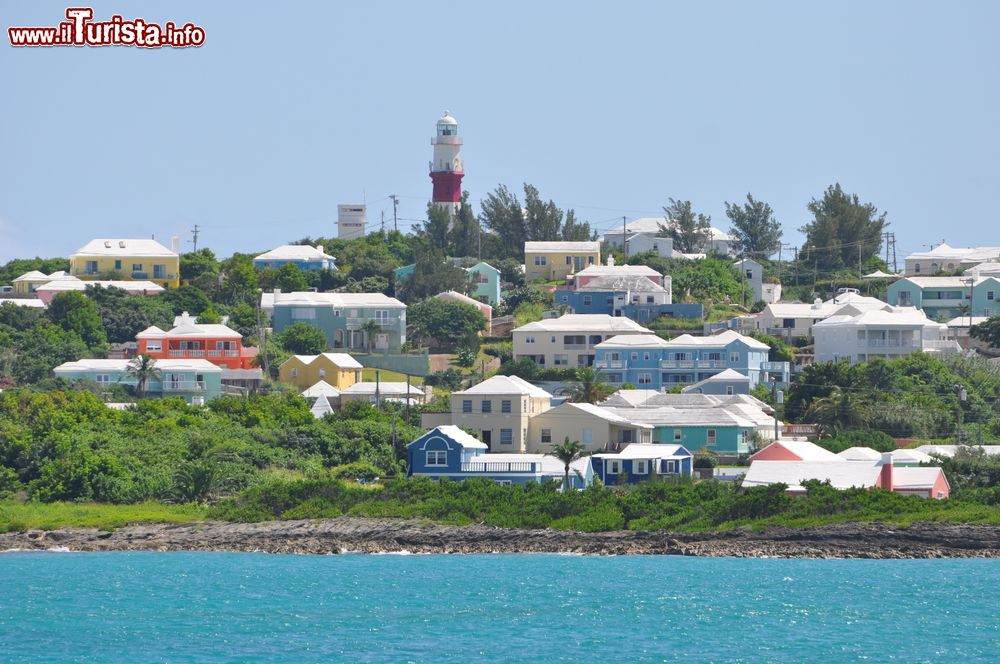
(774, 366)
(692, 364)
(357, 322)
(499, 467)
(609, 364)
(185, 353)
(223, 353)
(890, 343)
(184, 386)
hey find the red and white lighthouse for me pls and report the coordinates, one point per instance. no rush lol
(446, 168)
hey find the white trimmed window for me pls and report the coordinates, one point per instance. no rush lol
(539, 260)
(645, 379)
(587, 300)
(614, 467)
(529, 340)
(546, 435)
(734, 358)
(322, 373)
(466, 405)
(505, 405)
(641, 467)
(506, 436)
(487, 406)
(154, 346)
(678, 434)
(102, 379)
(710, 436)
(437, 458)
(295, 372)
(303, 313)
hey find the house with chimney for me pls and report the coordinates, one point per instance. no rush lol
(302, 255)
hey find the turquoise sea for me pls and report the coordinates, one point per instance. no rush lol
(228, 607)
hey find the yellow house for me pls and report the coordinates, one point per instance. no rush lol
(29, 281)
(557, 260)
(337, 369)
(135, 260)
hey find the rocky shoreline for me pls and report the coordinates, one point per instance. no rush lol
(351, 535)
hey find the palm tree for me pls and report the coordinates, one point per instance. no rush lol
(590, 387)
(841, 410)
(568, 452)
(370, 327)
(144, 369)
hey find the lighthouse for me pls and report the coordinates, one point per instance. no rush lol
(446, 168)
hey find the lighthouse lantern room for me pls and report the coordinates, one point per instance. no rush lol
(446, 168)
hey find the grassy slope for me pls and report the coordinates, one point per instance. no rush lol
(16, 516)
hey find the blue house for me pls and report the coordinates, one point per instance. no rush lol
(194, 380)
(944, 298)
(448, 452)
(345, 318)
(650, 362)
(635, 297)
(642, 462)
(725, 382)
(484, 280)
(307, 258)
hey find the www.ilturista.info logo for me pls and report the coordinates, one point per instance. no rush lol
(80, 30)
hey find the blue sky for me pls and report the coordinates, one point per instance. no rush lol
(608, 108)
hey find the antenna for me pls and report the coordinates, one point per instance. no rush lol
(194, 232)
(395, 206)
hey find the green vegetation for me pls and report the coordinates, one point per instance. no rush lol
(15, 516)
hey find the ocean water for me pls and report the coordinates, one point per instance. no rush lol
(230, 607)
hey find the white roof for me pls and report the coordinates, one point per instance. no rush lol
(23, 302)
(634, 340)
(214, 330)
(94, 364)
(805, 450)
(910, 456)
(646, 451)
(605, 414)
(506, 385)
(860, 454)
(342, 360)
(446, 119)
(321, 389)
(666, 416)
(584, 323)
(125, 248)
(74, 284)
(724, 376)
(963, 321)
(881, 318)
(294, 252)
(944, 251)
(321, 407)
(717, 340)
(34, 275)
(652, 225)
(949, 450)
(309, 298)
(841, 474)
(824, 309)
(618, 271)
(947, 282)
(461, 437)
(455, 296)
(636, 283)
(915, 478)
(879, 274)
(562, 247)
(385, 389)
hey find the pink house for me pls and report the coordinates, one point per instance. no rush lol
(794, 450)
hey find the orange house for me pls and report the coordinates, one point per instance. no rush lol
(219, 344)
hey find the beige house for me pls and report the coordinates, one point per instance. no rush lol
(498, 411)
(569, 341)
(338, 369)
(598, 429)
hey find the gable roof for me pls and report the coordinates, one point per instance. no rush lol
(841, 474)
(803, 449)
(652, 225)
(562, 247)
(455, 296)
(455, 434)
(860, 454)
(647, 451)
(604, 413)
(98, 364)
(724, 376)
(915, 479)
(499, 384)
(719, 340)
(634, 341)
(34, 275)
(341, 360)
(126, 248)
(584, 323)
(294, 252)
(321, 389)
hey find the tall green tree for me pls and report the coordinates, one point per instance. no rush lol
(290, 278)
(542, 220)
(755, 231)
(437, 228)
(239, 282)
(843, 232)
(590, 387)
(74, 312)
(465, 233)
(447, 322)
(302, 339)
(143, 368)
(574, 231)
(502, 215)
(690, 231)
(568, 451)
(433, 273)
(988, 331)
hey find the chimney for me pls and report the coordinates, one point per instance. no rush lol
(319, 248)
(611, 260)
(175, 245)
(885, 475)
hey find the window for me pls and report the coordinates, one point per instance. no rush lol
(560, 360)
(437, 458)
(916, 268)
(677, 434)
(671, 466)
(590, 260)
(734, 358)
(729, 389)
(645, 355)
(645, 379)
(504, 482)
(649, 299)
(505, 406)
(118, 264)
(137, 267)
(466, 405)
(381, 316)
(336, 313)
(587, 436)
(539, 260)
(529, 340)
(154, 346)
(322, 373)
(552, 340)
(788, 323)
(614, 467)
(711, 436)
(641, 467)
(102, 379)
(487, 406)
(569, 260)
(546, 435)
(749, 274)
(303, 313)
(990, 295)
(588, 300)
(486, 435)
(506, 436)
(295, 372)
(90, 267)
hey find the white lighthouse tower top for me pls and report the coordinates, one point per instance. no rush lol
(446, 119)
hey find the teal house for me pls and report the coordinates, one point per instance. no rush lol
(194, 380)
(355, 321)
(484, 280)
(944, 298)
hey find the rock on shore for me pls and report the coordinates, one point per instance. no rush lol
(923, 540)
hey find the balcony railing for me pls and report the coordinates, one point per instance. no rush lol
(356, 323)
(891, 343)
(774, 366)
(184, 386)
(186, 353)
(692, 364)
(609, 364)
(499, 467)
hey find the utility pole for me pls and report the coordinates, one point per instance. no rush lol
(859, 259)
(395, 206)
(383, 223)
(624, 242)
(796, 265)
(194, 232)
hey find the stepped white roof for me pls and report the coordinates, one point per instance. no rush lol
(461, 437)
(882, 318)
(126, 248)
(321, 389)
(562, 247)
(506, 385)
(23, 302)
(652, 225)
(724, 376)
(33, 275)
(311, 299)
(647, 451)
(841, 474)
(860, 454)
(720, 340)
(214, 330)
(294, 252)
(634, 341)
(957, 283)
(455, 296)
(637, 283)
(96, 364)
(584, 323)
(944, 251)
(820, 309)
(618, 271)
(385, 389)
(342, 360)
(73, 284)
(949, 450)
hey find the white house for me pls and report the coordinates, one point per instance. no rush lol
(752, 273)
(720, 242)
(569, 341)
(945, 258)
(880, 333)
(796, 319)
(499, 409)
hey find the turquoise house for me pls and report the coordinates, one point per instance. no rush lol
(355, 321)
(484, 280)
(718, 430)
(944, 298)
(194, 380)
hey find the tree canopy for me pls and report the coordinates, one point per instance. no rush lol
(690, 231)
(843, 232)
(756, 233)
